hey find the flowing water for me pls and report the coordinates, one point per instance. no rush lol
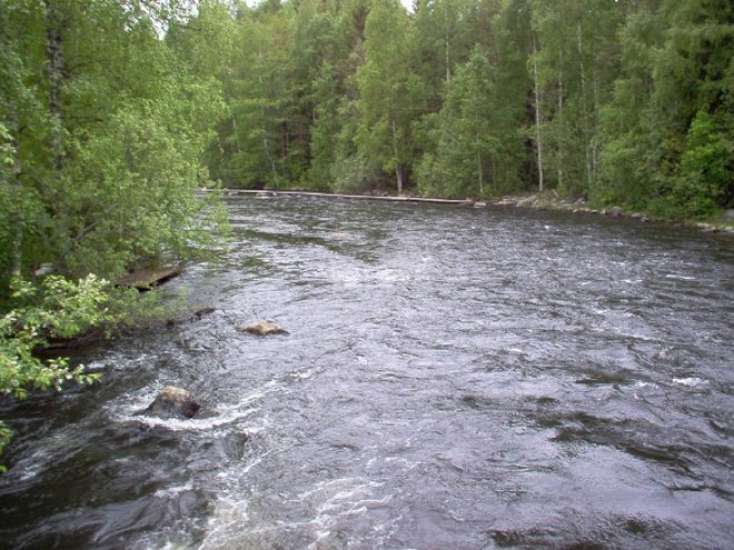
(453, 378)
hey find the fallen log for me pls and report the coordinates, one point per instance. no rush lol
(401, 198)
(147, 278)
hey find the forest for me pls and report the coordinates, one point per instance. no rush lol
(113, 116)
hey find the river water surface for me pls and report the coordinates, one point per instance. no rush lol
(453, 378)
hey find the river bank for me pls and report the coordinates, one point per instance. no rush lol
(548, 200)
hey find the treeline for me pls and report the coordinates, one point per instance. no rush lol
(621, 101)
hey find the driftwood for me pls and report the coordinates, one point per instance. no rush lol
(262, 194)
(57, 346)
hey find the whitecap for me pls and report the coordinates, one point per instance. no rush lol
(691, 382)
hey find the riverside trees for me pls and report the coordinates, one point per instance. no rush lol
(103, 128)
(624, 102)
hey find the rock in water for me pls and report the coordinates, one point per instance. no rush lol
(174, 402)
(263, 328)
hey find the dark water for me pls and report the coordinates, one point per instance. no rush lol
(454, 378)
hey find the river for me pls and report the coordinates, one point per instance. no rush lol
(453, 378)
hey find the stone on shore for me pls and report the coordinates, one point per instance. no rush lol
(527, 202)
(173, 402)
(263, 328)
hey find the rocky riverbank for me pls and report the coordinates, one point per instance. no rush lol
(552, 201)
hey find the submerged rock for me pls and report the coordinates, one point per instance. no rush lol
(263, 328)
(202, 312)
(174, 402)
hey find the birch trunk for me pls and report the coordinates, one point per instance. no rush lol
(481, 175)
(538, 137)
(266, 141)
(584, 105)
(560, 119)
(17, 247)
(398, 167)
(446, 40)
(55, 73)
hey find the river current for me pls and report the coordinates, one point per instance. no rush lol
(453, 378)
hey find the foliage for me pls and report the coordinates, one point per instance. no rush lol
(58, 308)
(104, 130)
(348, 95)
(107, 175)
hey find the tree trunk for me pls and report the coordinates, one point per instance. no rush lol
(398, 167)
(16, 264)
(538, 137)
(266, 141)
(236, 132)
(446, 40)
(594, 141)
(399, 176)
(560, 119)
(585, 107)
(481, 175)
(55, 71)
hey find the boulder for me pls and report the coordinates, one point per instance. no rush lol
(263, 328)
(616, 212)
(480, 204)
(173, 402)
(707, 228)
(729, 215)
(44, 269)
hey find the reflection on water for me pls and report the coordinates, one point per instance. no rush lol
(452, 378)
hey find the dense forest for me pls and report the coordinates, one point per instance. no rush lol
(113, 114)
(625, 102)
